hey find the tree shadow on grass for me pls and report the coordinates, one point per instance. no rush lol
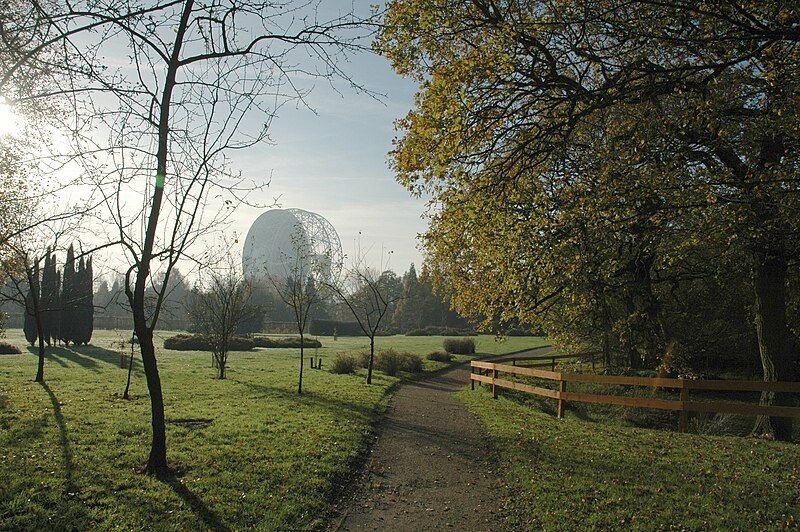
(86, 356)
(308, 397)
(66, 450)
(211, 519)
(35, 352)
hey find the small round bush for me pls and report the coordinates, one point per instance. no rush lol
(460, 346)
(391, 361)
(362, 359)
(9, 349)
(388, 361)
(411, 363)
(439, 356)
(344, 364)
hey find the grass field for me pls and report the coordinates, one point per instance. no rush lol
(252, 453)
(577, 474)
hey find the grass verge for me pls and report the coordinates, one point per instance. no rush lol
(570, 473)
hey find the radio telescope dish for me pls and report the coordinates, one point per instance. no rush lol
(282, 241)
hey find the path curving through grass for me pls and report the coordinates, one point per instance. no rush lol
(430, 467)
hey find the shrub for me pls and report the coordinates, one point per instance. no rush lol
(439, 356)
(344, 364)
(411, 363)
(391, 361)
(9, 349)
(460, 346)
(434, 330)
(198, 342)
(388, 361)
(291, 342)
(362, 359)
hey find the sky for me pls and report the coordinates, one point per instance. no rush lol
(336, 163)
(329, 156)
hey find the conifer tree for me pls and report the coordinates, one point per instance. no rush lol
(83, 310)
(57, 305)
(51, 300)
(31, 332)
(46, 298)
(69, 296)
(88, 290)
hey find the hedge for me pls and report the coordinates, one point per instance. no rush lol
(198, 342)
(460, 346)
(9, 349)
(289, 342)
(440, 356)
(328, 327)
(432, 330)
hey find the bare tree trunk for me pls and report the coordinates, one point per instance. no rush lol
(371, 357)
(157, 462)
(769, 283)
(130, 370)
(40, 367)
(300, 381)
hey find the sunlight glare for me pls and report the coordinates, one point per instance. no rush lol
(9, 121)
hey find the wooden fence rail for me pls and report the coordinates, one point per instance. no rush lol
(488, 372)
(549, 360)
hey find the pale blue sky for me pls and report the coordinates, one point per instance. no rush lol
(336, 163)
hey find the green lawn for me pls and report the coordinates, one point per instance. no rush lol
(573, 473)
(269, 459)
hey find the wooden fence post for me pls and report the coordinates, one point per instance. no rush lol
(562, 387)
(471, 380)
(494, 386)
(553, 364)
(684, 398)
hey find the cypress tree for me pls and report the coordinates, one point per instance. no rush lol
(56, 308)
(84, 311)
(31, 332)
(51, 300)
(46, 299)
(88, 290)
(69, 299)
(57, 305)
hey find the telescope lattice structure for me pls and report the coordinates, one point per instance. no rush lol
(282, 243)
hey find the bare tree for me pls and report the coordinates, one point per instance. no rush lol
(196, 72)
(366, 294)
(21, 268)
(220, 306)
(22, 287)
(304, 272)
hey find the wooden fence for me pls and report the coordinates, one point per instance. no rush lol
(542, 361)
(487, 372)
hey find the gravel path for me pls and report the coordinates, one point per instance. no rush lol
(430, 467)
